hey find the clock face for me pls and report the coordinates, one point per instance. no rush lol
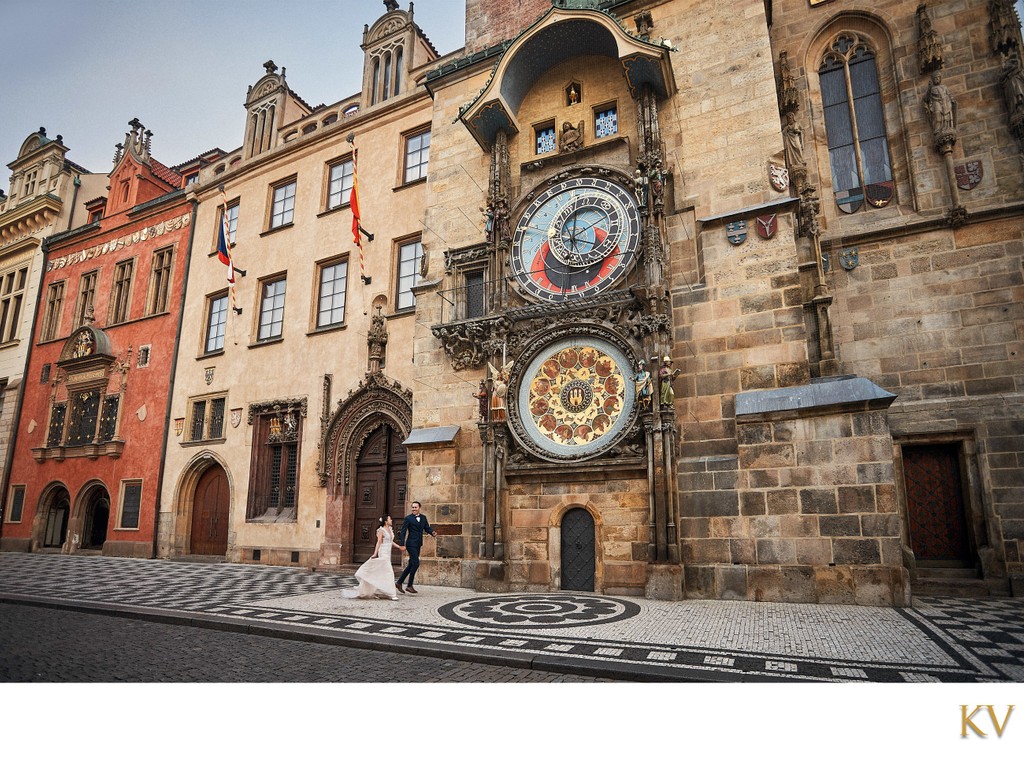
(576, 238)
(574, 399)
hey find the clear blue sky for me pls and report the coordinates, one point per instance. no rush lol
(84, 68)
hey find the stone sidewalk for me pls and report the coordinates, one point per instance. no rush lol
(950, 640)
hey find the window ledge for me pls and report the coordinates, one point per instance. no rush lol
(274, 515)
(420, 181)
(112, 449)
(334, 210)
(267, 342)
(10, 343)
(328, 329)
(403, 313)
(202, 442)
(212, 354)
(272, 230)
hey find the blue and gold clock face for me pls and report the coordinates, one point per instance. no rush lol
(576, 238)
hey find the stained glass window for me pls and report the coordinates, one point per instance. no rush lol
(606, 122)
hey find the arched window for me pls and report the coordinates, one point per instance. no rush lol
(398, 70)
(387, 76)
(374, 80)
(854, 124)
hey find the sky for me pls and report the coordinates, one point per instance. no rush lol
(84, 68)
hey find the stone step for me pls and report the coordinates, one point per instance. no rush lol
(971, 588)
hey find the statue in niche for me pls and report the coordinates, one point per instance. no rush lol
(571, 138)
(1013, 87)
(499, 389)
(573, 95)
(483, 397)
(793, 140)
(941, 109)
(657, 182)
(644, 386)
(665, 377)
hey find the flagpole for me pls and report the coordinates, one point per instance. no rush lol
(357, 229)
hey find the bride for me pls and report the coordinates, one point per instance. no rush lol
(376, 575)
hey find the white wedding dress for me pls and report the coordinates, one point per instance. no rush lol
(376, 575)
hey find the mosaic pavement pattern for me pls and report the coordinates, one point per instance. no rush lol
(977, 640)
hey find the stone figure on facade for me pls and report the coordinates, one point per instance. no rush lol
(483, 397)
(644, 386)
(665, 377)
(657, 181)
(499, 390)
(941, 110)
(571, 138)
(793, 140)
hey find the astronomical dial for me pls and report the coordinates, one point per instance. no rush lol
(576, 238)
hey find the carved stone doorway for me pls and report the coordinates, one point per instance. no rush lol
(97, 515)
(381, 478)
(58, 511)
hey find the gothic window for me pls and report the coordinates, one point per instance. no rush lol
(606, 121)
(86, 296)
(51, 317)
(387, 77)
(409, 258)
(374, 81)
(283, 206)
(854, 124)
(398, 69)
(12, 292)
(120, 297)
(417, 155)
(274, 485)
(333, 286)
(272, 309)
(159, 282)
(216, 320)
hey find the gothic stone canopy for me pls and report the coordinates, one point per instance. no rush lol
(561, 35)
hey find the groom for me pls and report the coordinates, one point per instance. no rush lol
(415, 525)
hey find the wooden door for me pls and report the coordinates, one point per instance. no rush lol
(935, 505)
(578, 552)
(210, 513)
(380, 489)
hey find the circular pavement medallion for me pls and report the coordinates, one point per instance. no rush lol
(539, 611)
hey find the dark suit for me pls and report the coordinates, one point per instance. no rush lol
(411, 536)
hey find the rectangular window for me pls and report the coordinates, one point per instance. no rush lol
(12, 293)
(417, 155)
(86, 296)
(273, 492)
(44, 375)
(58, 413)
(108, 418)
(606, 122)
(51, 318)
(232, 222)
(120, 297)
(339, 184)
(333, 287)
(545, 138)
(409, 256)
(144, 354)
(272, 310)
(17, 503)
(159, 282)
(474, 294)
(283, 206)
(206, 418)
(216, 320)
(131, 504)
(30, 183)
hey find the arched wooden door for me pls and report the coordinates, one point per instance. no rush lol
(210, 512)
(578, 555)
(380, 489)
(97, 515)
(57, 514)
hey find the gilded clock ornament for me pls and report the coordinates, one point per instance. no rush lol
(577, 237)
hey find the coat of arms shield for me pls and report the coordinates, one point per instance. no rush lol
(767, 226)
(736, 232)
(778, 176)
(969, 175)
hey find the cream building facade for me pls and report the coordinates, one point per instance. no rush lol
(47, 195)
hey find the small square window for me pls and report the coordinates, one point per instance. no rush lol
(545, 139)
(144, 352)
(333, 286)
(283, 207)
(409, 257)
(606, 122)
(339, 184)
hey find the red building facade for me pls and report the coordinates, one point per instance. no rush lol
(88, 454)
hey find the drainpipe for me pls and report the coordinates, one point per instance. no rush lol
(170, 386)
(16, 424)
